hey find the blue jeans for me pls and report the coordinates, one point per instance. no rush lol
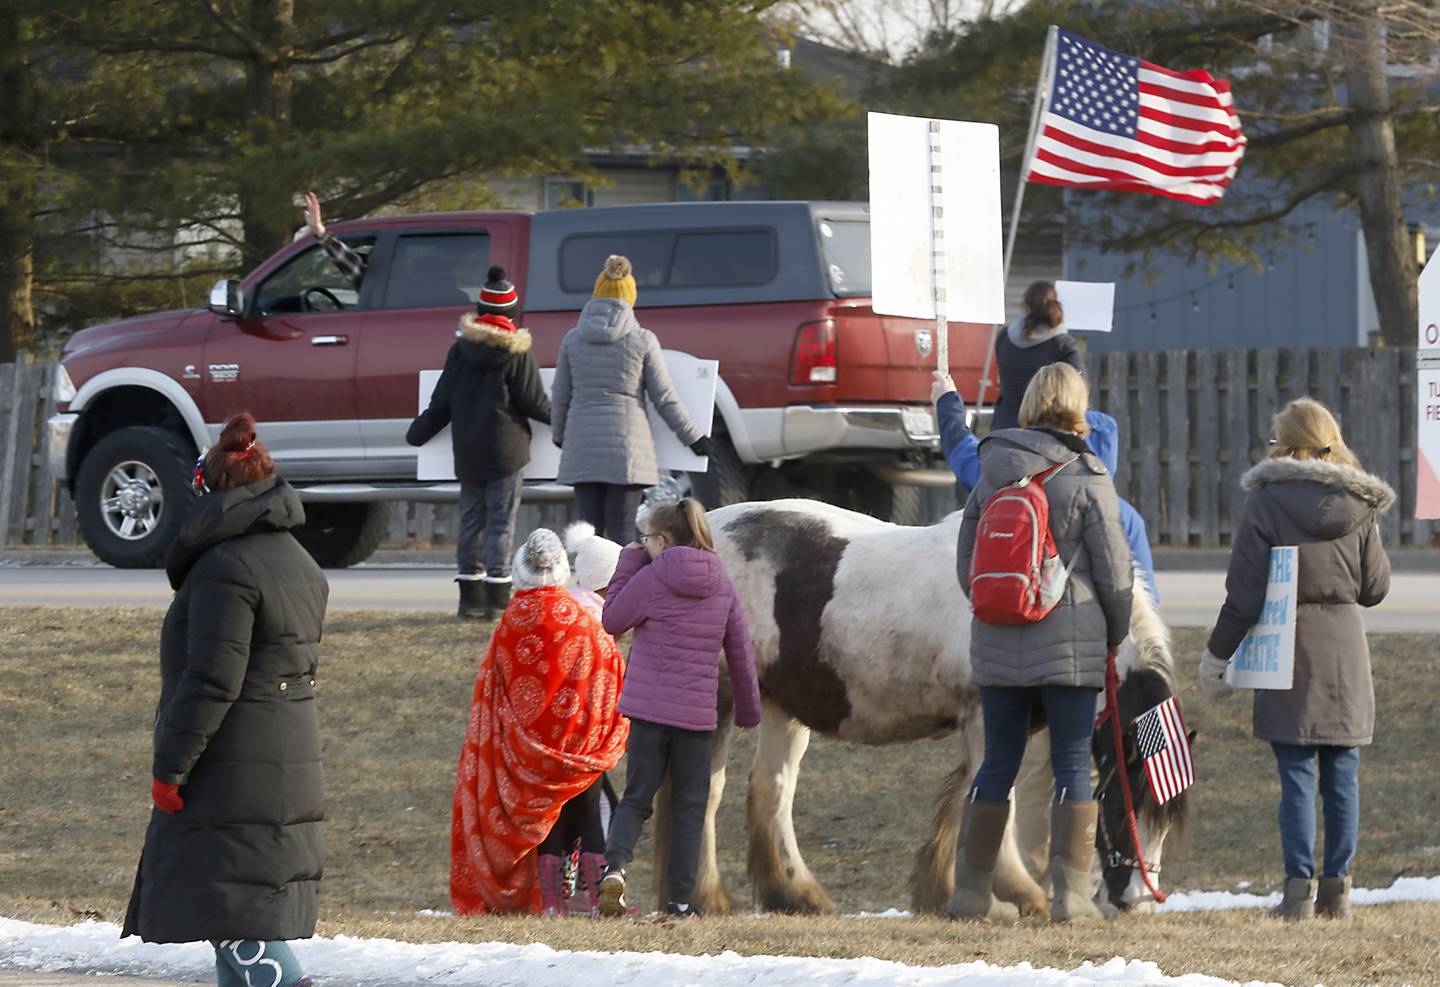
(1340, 791)
(1070, 715)
(251, 963)
(487, 527)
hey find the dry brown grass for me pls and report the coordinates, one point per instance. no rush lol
(76, 699)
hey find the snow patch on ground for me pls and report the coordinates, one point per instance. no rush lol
(95, 947)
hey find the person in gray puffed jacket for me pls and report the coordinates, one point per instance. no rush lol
(609, 368)
(1312, 493)
(1057, 662)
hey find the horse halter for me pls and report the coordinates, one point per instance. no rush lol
(1111, 856)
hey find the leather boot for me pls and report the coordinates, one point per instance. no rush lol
(1333, 898)
(552, 883)
(1072, 849)
(592, 870)
(472, 600)
(1299, 901)
(980, 837)
(497, 598)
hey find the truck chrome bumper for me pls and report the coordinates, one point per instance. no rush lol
(899, 428)
(57, 443)
(429, 493)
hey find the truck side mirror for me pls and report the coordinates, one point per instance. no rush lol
(226, 298)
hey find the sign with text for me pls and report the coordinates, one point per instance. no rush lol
(1266, 656)
(1427, 444)
(1088, 305)
(1427, 393)
(935, 237)
(695, 383)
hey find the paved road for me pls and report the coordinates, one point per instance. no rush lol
(1190, 598)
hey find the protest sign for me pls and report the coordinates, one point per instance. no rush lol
(1266, 656)
(1088, 305)
(695, 383)
(935, 242)
(1427, 393)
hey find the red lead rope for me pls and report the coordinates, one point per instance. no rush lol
(1112, 712)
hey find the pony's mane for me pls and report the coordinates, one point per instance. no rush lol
(1151, 636)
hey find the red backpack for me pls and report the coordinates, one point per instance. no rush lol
(1016, 576)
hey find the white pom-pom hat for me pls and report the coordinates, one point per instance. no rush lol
(595, 557)
(541, 561)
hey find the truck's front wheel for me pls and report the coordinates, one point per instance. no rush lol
(132, 494)
(340, 535)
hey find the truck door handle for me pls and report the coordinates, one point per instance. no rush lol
(329, 340)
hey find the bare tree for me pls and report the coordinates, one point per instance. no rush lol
(886, 29)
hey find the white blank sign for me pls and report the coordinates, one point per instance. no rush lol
(1088, 305)
(695, 382)
(901, 217)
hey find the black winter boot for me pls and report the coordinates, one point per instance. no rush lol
(472, 599)
(497, 598)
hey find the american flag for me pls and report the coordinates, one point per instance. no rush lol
(1118, 122)
(1164, 748)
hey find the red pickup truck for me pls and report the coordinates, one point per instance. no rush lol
(818, 394)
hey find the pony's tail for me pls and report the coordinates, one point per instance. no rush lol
(932, 876)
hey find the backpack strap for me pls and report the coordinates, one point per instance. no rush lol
(1044, 475)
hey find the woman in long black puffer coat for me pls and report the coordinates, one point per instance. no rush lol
(234, 850)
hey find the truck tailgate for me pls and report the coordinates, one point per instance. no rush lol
(881, 358)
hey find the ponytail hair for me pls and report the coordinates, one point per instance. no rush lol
(683, 524)
(1305, 429)
(237, 458)
(1042, 308)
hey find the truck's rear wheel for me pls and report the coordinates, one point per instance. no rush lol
(340, 535)
(725, 482)
(132, 493)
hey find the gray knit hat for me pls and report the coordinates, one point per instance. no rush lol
(541, 561)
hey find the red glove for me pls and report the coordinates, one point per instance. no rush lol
(166, 797)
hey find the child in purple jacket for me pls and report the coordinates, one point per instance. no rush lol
(672, 589)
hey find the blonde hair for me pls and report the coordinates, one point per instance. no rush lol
(1305, 429)
(683, 524)
(616, 280)
(1056, 398)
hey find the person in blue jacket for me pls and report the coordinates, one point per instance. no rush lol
(962, 451)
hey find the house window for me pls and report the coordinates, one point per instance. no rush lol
(566, 193)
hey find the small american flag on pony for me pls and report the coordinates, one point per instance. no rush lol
(1164, 748)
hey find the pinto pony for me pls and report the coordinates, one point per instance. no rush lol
(861, 633)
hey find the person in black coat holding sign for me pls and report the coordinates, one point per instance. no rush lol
(488, 392)
(235, 846)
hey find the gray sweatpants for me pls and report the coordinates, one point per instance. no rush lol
(655, 751)
(487, 527)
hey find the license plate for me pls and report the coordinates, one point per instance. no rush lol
(918, 422)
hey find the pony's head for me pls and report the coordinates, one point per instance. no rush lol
(1146, 668)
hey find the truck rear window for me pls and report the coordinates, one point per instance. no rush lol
(846, 247)
(701, 259)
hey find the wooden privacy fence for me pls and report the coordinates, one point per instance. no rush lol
(1191, 422)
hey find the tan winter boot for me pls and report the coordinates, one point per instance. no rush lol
(1333, 898)
(1072, 848)
(1299, 901)
(980, 837)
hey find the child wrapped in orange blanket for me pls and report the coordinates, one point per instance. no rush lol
(543, 726)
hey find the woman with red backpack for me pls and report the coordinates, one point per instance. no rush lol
(1045, 646)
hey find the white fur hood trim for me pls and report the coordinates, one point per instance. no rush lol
(1374, 491)
(475, 331)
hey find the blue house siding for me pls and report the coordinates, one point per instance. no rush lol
(1307, 293)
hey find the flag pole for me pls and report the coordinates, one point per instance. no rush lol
(1043, 87)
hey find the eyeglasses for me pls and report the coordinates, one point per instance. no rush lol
(647, 537)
